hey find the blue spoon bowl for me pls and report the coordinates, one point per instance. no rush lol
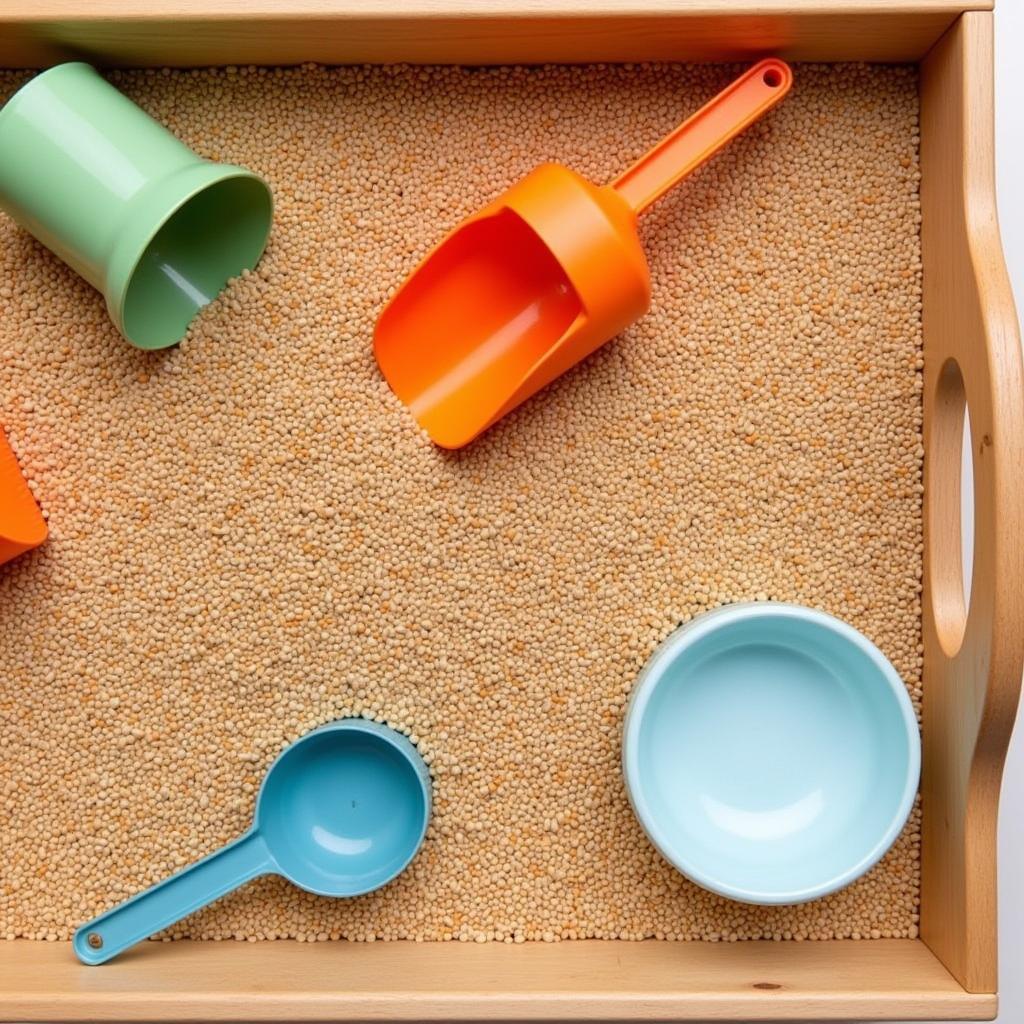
(341, 812)
(771, 752)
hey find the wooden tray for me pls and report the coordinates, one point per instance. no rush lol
(973, 658)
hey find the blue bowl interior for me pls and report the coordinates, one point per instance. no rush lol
(344, 810)
(773, 756)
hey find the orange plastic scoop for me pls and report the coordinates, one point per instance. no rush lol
(542, 276)
(21, 523)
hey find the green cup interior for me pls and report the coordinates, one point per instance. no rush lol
(213, 236)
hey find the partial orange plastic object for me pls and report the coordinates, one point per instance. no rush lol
(542, 276)
(22, 525)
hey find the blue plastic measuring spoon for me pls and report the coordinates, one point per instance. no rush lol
(341, 812)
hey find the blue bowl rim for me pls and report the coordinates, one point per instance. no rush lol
(654, 671)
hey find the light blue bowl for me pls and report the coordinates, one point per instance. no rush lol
(771, 752)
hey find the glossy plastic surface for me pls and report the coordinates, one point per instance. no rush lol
(541, 277)
(341, 812)
(22, 525)
(771, 752)
(117, 197)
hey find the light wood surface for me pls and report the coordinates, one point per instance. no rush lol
(973, 659)
(35, 33)
(270, 981)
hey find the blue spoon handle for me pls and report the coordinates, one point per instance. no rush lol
(171, 900)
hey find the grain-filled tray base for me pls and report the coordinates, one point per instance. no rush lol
(250, 536)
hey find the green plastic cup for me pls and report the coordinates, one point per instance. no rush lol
(116, 196)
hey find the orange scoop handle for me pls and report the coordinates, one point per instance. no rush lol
(703, 134)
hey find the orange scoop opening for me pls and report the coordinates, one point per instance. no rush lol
(487, 305)
(22, 525)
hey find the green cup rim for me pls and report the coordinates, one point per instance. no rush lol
(132, 246)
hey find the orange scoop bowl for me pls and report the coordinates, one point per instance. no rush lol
(22, 525)
(542, 276)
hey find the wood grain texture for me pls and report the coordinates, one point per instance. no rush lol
(587, 980)
(36, 33)
(973, 658)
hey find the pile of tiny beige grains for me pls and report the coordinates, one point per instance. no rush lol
(250, 536)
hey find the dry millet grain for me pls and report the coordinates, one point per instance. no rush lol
(251, 537)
